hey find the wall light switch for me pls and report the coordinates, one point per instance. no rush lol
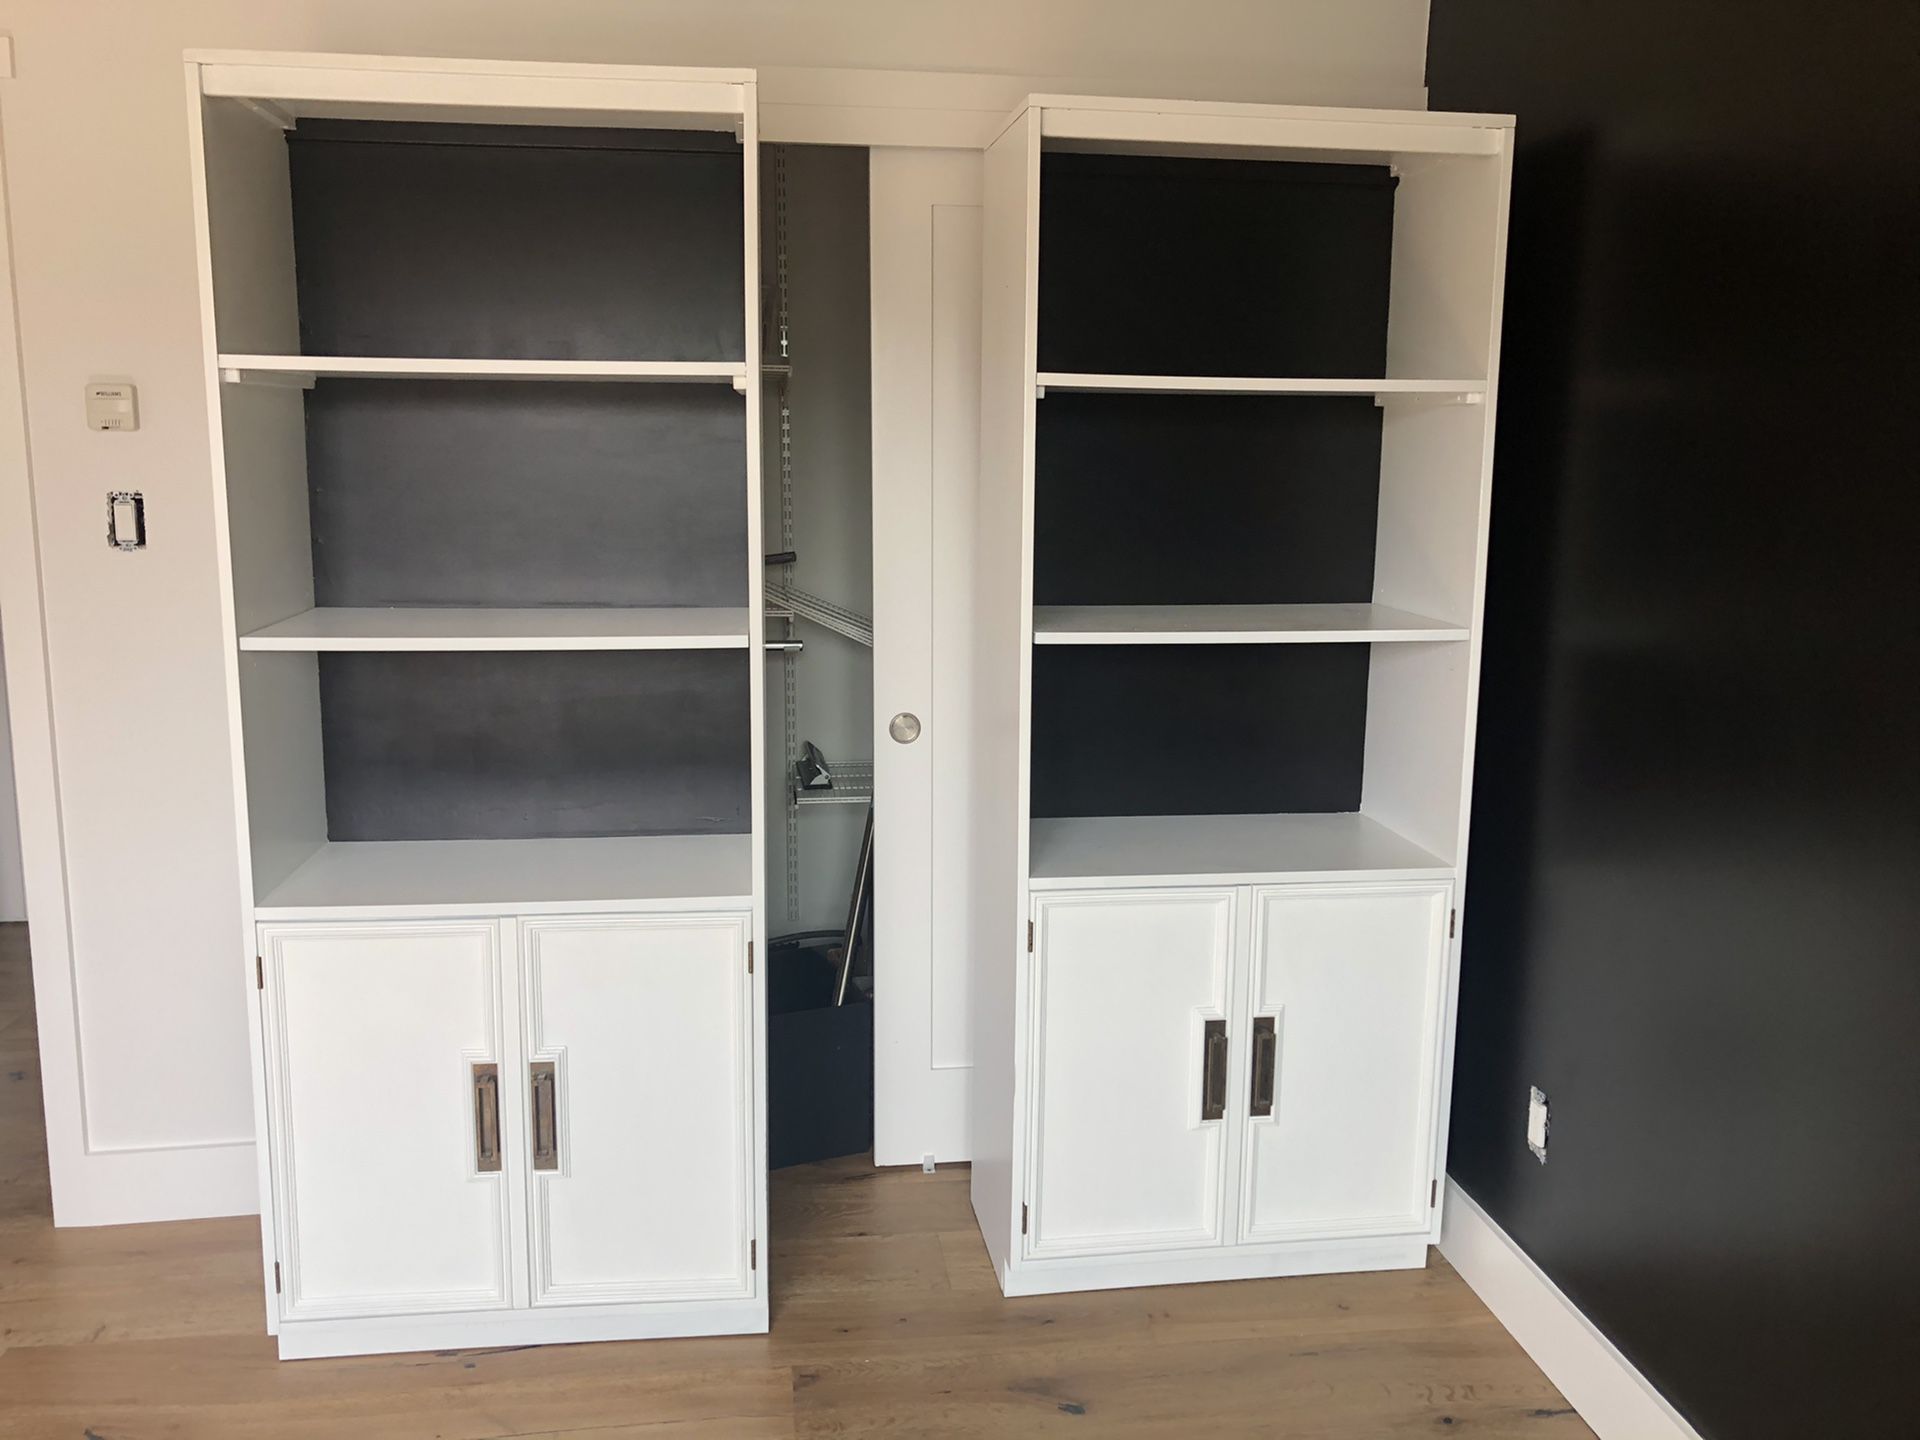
(127, 520)
(112, 405)
(1537, 1122)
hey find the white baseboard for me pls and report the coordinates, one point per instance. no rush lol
(1611, 1395)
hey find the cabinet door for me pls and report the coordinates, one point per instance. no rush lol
(1123, 988)
(639, 1126)
(382, 1043)
(1350, 980)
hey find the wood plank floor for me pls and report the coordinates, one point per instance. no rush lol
(886, 1321)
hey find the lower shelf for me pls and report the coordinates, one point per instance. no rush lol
(1087, 853)
(401, 878)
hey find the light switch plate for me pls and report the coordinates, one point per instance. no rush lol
(112, 405)
(1538, 1119)
(127, 520)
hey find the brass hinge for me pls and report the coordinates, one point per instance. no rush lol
(259, 973)
(1453, 921)
(749, 957)
(1023, 1219)
(1029, 937)
(276, 1277)
(1433, 1195)
(753, 1254)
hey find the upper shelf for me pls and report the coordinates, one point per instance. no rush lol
(305, 369)
(1234, 625)
(555, 628)
(1470, 392)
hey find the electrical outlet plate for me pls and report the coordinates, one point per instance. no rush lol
(1538, 1119)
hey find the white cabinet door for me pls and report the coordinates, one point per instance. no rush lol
(639, 1128)
(1125, 989)
(1350, 978)
(387, 1143)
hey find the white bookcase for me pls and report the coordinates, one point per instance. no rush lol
(482, 360)
(1237, 418)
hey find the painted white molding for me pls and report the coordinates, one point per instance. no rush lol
(1612, 1396)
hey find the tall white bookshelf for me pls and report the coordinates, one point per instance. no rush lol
(482, 363)
(1237, 426)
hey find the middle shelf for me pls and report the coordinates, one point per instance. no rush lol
(541, 628)
(1234, 625)
(303, 370)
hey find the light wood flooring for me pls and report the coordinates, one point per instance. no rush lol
(886, 1321)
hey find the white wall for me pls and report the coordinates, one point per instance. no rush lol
(96, 158)
(13, 883)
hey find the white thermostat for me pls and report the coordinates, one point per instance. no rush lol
(112, 405)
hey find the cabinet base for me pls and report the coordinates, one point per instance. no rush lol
(1190, 1267)
(312, 1339)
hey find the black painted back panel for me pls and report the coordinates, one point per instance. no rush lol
(1197, 729)
(460, 241)
(442, 492)
(1694, 917)
(1206, 267)
(1153, 266)
(539, 243)
(466, 746)
(1205, 499)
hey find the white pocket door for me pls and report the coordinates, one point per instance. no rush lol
(636, 1096)
(1346, 983)
(385, 1058)
(1129, 1070)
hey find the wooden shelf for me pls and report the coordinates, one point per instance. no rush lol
(1468, 391)
(1234, 625)
(1221, 849)
(303, 370)
(556, 628)
(397, 879)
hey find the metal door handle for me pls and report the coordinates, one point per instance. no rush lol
(904, 727)
(1213, 1071)
(486, 1118)
(546, 1139)
(1266, 1049)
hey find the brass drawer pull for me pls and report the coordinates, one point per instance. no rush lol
(486, 1118)
(1213, 1071)
(546, 1136)
(1266, 1050)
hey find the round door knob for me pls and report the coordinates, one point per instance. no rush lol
(904, 727)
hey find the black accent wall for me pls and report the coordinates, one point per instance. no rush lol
(1693, 914)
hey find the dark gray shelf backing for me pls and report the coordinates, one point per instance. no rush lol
(1155, 266)
(1205, 499)
(476, 746)
(1197, 729)
(548, 243)
(455, 492)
